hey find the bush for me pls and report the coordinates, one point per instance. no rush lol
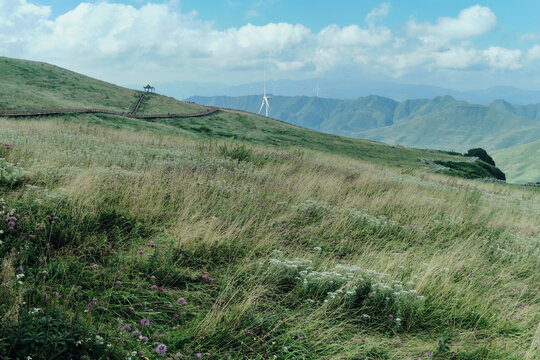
(52, 334)
(237, 152)
(481, 154)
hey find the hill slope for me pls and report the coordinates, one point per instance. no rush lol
(520, 163)
(122, 238)
(441, 122)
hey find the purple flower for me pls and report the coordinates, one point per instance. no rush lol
(198, 355)
(399, 342)
(152, 244)
(55, 293)
(126, 328)
(136, 333)
(391, 317)
(161, 349)
(145, 322)
(140, 252)
(131, 308)
(181, 301)
(135, 260)
(95, 266)
(79, 287)
(161, 289)
(118, 282)
(153, 277)
(154, 287)
(13, 218)
(20, 270)
(150, 310)
(144, 339)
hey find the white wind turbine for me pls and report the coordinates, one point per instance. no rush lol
(265, 98)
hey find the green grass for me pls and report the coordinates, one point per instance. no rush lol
(520, 163)
(283, 243)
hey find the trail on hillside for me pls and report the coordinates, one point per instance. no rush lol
(131, 114)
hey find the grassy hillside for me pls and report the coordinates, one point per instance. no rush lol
(124, 238)
(442, 122)
(521, 163)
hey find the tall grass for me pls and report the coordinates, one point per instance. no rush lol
(246, 251)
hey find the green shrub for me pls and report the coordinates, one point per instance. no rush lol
(237, 152)
(481, 154)
(53, 334)
(10, 174)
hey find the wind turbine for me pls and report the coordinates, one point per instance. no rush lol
(317, 89)
(265, 98)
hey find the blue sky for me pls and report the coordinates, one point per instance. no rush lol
(460, 44)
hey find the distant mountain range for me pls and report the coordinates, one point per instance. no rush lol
(349, 89)
(439, 123)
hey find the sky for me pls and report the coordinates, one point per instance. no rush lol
(457, 44)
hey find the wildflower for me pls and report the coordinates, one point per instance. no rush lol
(153, 277)
(150, 310)
(136, 333)
(399, 342)
(198, 355)
(204, 276)
(144, 339)
(161, 289)
(126, 328)
(154, 287)
(19, 276)
(145, 322)
(135, 260)
(140, 252)
(141, 352)
(95, 266)
(118, 282)
(152, 244)
(161, 349)
(131, 308)
(428, 354)
(181, 301)
(391, 317)
(79, 287)
(55, 293)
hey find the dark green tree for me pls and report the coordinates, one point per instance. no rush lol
(481, 154)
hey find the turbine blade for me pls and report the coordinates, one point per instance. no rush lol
(262, 105)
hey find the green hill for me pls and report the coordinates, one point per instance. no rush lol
(521, 163)
(123, 238)
(440, 123)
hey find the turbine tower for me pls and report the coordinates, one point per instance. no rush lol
(265, 98)
(317, 89)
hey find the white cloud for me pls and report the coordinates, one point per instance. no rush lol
(534, 53)
(379, 12)
(457, 58)
(473, 21)
(125, 43)
(501, 58)
(353, 35)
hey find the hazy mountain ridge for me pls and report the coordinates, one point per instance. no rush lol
(349, 89)
(441, 122)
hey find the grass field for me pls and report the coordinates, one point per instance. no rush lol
(123, 238)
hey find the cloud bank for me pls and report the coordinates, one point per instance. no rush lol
(122, 42)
